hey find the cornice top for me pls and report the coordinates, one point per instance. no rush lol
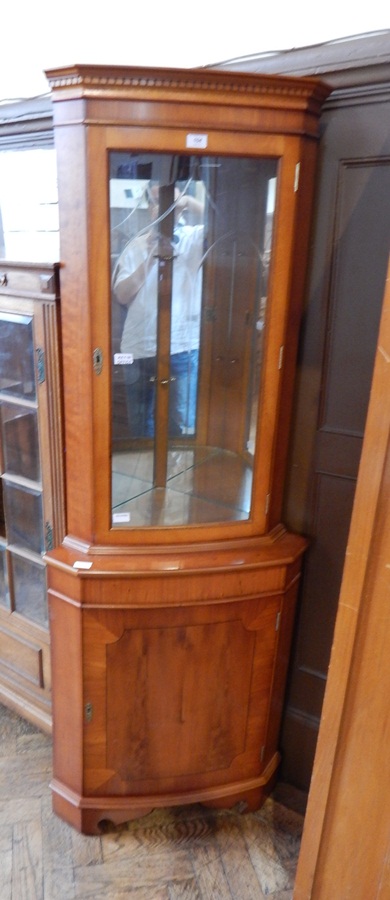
(94, 80)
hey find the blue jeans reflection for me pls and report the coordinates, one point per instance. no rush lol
(140, 394)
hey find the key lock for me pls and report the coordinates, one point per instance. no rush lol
(97, 360)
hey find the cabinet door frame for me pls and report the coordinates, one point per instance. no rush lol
(86, 325)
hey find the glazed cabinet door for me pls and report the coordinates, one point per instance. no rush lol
(190, 255)
(32, 511)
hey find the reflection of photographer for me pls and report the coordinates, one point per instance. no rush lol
(135, 286)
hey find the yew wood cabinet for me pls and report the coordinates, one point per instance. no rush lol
(185, 202)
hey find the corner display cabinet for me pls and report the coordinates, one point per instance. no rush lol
(184, 202)
(31, 485)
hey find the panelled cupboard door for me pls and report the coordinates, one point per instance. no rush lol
(167, 704)
(184, 203)
(155, 693)
(32, 494)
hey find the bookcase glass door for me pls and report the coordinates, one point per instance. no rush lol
(191, 240)
(22, 541)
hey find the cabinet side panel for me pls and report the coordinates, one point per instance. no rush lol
(76, 319)
(66, 654)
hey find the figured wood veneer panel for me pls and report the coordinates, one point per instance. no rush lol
(184, 708)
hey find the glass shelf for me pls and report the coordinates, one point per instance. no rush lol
(203, 484)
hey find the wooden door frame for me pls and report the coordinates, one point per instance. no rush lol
(336, 849)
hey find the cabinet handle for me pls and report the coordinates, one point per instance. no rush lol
(163, 380)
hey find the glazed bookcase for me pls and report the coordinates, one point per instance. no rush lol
(32, 480)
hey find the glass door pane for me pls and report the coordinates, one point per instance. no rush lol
(190, 245)
(19, 428)
(22, 539)
(17, 376)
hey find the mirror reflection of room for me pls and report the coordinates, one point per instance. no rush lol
(190, 247)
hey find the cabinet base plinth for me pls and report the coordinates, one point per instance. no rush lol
(89, 815)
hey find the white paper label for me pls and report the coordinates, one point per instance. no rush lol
(80, 564)
(123, 359)
(120, 517)
(197, 141)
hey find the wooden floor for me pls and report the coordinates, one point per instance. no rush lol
(187, 853)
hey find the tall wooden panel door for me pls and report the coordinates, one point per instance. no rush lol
(350, 252)
(349, 247)
(338, 847)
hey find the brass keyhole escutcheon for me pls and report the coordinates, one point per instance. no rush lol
(97, 360)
